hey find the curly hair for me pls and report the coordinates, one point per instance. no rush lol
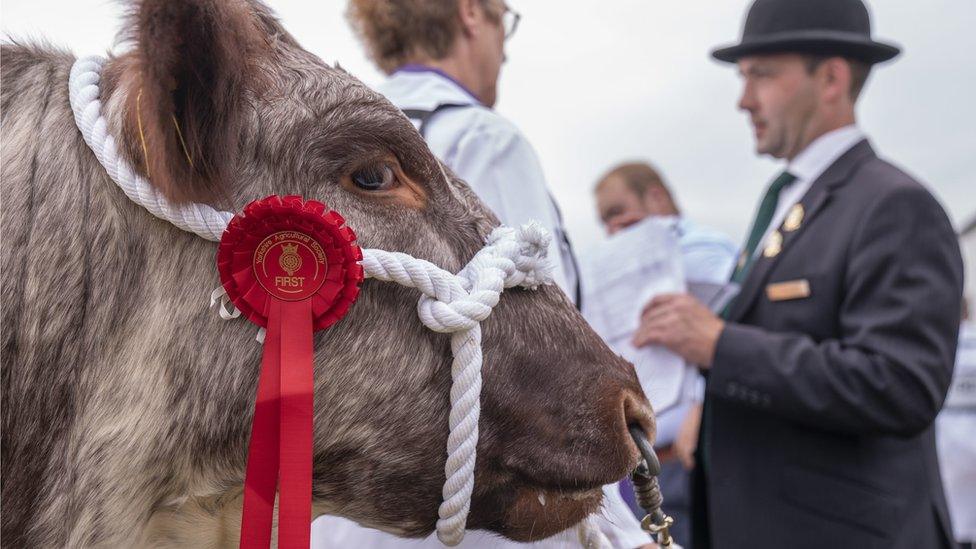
(398, 31)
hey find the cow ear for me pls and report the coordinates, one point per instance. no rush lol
(190, 62)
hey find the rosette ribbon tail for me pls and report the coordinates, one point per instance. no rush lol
(297, 402)
(280, 450)
(261, 478)
(291, 266)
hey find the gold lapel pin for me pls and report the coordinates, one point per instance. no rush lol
(774, 244)
(794, 218)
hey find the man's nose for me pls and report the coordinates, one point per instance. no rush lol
(747, 99)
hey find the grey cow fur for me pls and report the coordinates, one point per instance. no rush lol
(127, 403)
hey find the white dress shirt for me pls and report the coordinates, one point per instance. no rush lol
(491, 155)
(807, 166)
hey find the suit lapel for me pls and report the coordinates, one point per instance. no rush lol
(813, 202)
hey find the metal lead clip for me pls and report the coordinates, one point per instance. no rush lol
(648, 490)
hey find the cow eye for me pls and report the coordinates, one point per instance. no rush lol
(376, 177)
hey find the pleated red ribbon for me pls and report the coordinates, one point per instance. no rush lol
(292, 267)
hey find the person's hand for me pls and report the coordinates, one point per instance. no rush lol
(683, 325)
(686, 440)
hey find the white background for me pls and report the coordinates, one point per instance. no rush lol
(594, 83)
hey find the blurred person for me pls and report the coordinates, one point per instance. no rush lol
(443, 58)
(956, 437)
(628, 194)
(827, 370)
(633, 191)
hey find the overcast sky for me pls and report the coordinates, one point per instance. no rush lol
(593, 83)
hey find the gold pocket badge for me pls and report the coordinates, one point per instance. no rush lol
(791, 289)
(774, 244)
(794, 218)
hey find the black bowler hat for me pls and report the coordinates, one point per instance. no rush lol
(830, 27)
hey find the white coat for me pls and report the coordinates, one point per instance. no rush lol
(955, 436)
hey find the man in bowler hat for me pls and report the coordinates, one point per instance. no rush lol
(826, 371)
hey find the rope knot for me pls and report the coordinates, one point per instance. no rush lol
(527, 249)
(510, 258)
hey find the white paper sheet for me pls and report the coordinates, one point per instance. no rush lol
(619, 278)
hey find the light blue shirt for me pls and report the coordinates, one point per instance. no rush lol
(706, 254)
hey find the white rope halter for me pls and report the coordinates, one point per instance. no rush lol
(454, 304)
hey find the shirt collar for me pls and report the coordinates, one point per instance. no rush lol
(682, 224)
(823, 151)
(425, 69)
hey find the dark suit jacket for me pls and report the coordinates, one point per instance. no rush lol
(819, 411)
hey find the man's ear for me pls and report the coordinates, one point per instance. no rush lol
(470, 13)
(836, 79)
(186, 76)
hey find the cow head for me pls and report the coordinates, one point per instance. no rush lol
(221, 105)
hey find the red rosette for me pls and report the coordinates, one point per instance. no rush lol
(292, 267)
(326, 270)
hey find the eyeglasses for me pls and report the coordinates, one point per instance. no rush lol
(510, 21)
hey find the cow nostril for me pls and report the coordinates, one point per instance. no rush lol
(637, 414)
(645, 449)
